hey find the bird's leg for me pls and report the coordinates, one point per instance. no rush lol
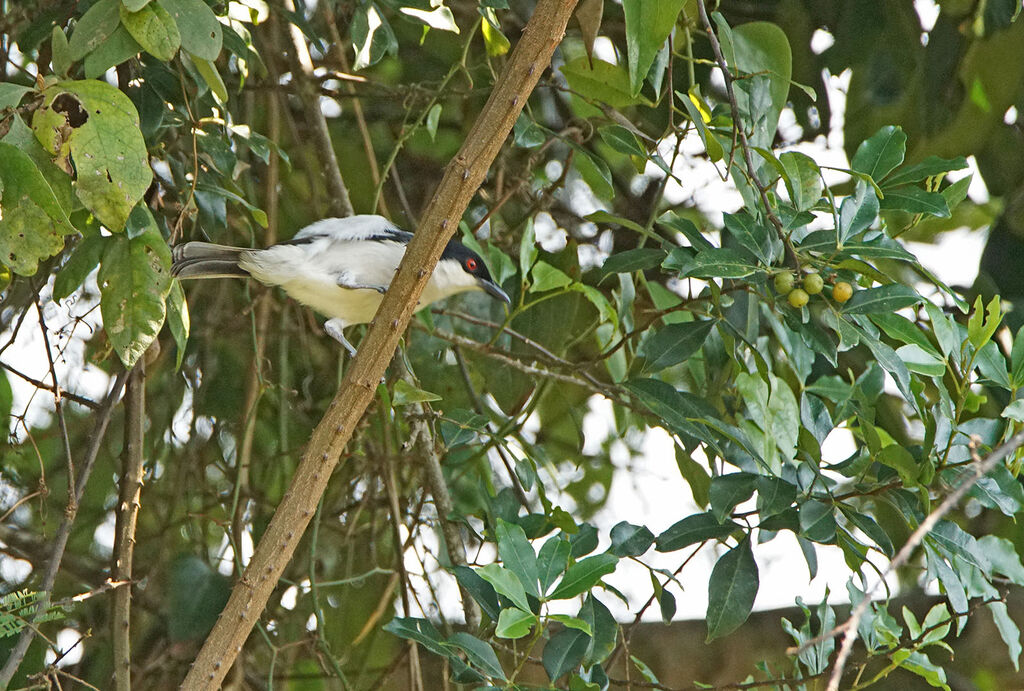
(334, 327)
(343, 282)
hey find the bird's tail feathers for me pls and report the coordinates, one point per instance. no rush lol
(206, 260)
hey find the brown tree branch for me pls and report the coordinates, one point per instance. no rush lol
(462, 178)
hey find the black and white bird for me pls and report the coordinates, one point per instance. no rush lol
(340, 267)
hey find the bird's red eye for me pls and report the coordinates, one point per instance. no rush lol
(471, 264)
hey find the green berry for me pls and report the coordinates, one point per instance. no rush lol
(813, 283)
(784, 283)
(798, 298)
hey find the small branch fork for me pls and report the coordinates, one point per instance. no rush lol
(748, 158)
(982, 467)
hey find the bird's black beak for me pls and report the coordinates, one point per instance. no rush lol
(493, 290)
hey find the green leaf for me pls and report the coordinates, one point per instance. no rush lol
(915, 200)
(134, 279)
(900, 460)
(918, 663)
(857, 212)
(690, 101)
(571, 622)
(201, 33)
(630, 540)
(92, 29)
(731, 590)
(514, 623)
(505, 583)
(983, 322)
(802, 178)
(178, 320)
(433, 118)
(774, 495)
(407, 394)
(32, 224)
(552, 560)
(546, 277)
(110, 155)
(629, 261)
(154, 29)
(887, 298)
(919, 360)
(933, 165)
(674, 343)
(622, 140)
(517, 554)
(479, 589)
(583, 575)
(728, 491)
(134, 5)
(212, 77)
(760, 51)
(817, 521)
(440, 17)
(604, 630)
(952, 541)
(420, 630)
(648, 25)
(61, 57)
(870, 527)
(480, 654)
(1008, 631)
(114, 50)
(882, 152)
(1003, 556)
(605, 83)
(564, 652)
(1014, 411)
(1017, 359)
(755, 236)
(83, 260)
(718, 263)
(11, 94)
(693, 529)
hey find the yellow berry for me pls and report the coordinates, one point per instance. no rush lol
(813, 283)
(842, 292)
(798, 298)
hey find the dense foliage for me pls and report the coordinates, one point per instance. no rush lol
(750, 320)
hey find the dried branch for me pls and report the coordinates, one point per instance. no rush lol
(461, 180)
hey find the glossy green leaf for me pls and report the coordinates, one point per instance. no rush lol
(564, 652)
(480, 654)
(887, 298)
(693, 529)
(552, 561)
(930, 166)
(584, 575)
(407, 394)
(919, 360)
(154, 29)
(479, 589)
(881, 153)
(761, 54)
(755, 236)
(201, 32)
(731, 590)
(728, 491)
(115, 49)
(630, 540)
(92, 29)
(372, 36)
(857, 212)
(178, 320)
(674, 343)
(622, 140)
(719, 263)
(604, 630)
(514, 623)
(817, 521)
(506, 583)
(648, 25)
(802, 178)
(915, 200)
(517, 555)
(420, 630)
(604, 83)
(639, 259)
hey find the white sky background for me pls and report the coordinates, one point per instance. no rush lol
(645, 486)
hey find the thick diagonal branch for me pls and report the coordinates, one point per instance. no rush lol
(462, 178)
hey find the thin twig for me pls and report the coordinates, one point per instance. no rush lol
(81, 400)
(981, 468)
(302, 71)
(739, 132)
(60, 539)
(58, 406)
(127, 516)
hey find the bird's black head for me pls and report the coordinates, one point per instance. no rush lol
(473, 265)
